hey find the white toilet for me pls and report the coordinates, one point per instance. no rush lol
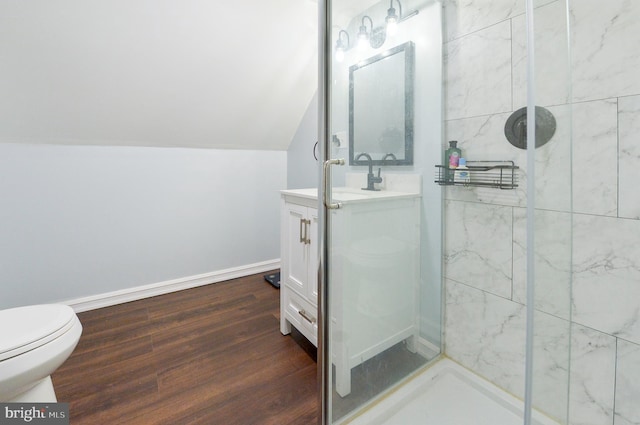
(34, 341)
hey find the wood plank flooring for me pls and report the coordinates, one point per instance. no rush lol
(209, 355)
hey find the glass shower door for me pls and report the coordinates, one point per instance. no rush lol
(381, 323)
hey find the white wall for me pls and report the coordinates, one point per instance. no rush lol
(84, 220)
(302, 167)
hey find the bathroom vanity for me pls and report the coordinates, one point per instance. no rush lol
(299, 262)
(374, 269)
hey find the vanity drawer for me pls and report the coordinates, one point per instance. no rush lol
(303, 315)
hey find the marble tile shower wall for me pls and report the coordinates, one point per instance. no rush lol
(485, 237)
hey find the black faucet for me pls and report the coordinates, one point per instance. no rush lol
(371, 179)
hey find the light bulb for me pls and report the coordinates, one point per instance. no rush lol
(392, 28)
(363, 39)
(392, 21)
(339, 55)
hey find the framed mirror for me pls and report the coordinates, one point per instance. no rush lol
(381, 108)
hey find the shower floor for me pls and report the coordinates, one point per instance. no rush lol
(448, 394)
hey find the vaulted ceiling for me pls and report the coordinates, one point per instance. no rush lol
(188, 73)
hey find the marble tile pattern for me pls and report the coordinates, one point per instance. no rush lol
(553, 165)
(579, 163)
(478, 83)
(593, 362)
(595, 161)
(486, 334)
(553, 69)
(629, 156)
(478, 248)
(627, 384)
(591, 168)
(552, 260)
(466, 16)
(604, 52)
(606, 275)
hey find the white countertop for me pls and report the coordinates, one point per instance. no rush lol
(400, 185)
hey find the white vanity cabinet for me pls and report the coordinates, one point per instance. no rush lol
(374, 271)
(374, 281)
(299, 264)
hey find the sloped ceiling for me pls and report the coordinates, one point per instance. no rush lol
(188, 73)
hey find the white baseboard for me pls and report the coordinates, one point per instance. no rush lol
(139, 292)
(426, 348)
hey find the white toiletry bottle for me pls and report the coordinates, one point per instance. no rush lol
(461, 174)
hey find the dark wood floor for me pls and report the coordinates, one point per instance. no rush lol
(210, 355)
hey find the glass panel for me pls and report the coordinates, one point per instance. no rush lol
(552, 248)
(385, 248)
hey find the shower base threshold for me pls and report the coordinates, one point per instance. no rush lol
(448, 394)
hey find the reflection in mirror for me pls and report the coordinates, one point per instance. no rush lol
(381, 108)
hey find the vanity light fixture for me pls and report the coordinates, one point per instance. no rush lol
(374, 37)
(341, 47)
(363, 34)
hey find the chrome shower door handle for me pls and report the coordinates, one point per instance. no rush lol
(326, 193)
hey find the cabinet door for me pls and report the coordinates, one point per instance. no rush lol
(296, 269)
(312, 235)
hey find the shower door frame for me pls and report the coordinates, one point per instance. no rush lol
(324, 130)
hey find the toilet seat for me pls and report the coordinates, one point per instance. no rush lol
(27, 328)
